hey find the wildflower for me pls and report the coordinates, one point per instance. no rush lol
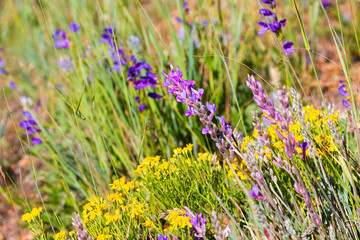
(60, 235)
(342, 90)
(133, 40)
(103, 237)
(74, 27)
(326, 3)
(267, 12)
(254, 192)
(178, 220)
(66, 63)
(271, 3)
(2, 65)
(28, 217)
(12, 85)
(346, 103)
(198, 223)
(79, 228)
(137, 99)
(162, 237)
(35, 141)
(264, 28)
(185, 92)
(60, 39)
(142, 107)
(288, 48)
(155, 95)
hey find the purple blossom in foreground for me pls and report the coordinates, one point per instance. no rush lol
(198, 223)
(60, 39)
(288, 48)
(79, 228)
(254, 192)
(74, 27)
(185, 92)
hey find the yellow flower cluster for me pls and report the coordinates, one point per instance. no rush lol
(178, 220)
(186, 149)
(239, 173)
(122, 186)
(317, 121)
(60, 235)
(28, 217)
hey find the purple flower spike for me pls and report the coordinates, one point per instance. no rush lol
(288, 48)
(346, 103)
(74, 27)
(35, 141)
(142, 107)
(254, 192)
(155, 95)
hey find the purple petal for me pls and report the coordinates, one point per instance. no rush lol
(35, 141)
(155, 95)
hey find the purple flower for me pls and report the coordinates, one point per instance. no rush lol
(79, 228)
(326, 3)
(27, 114)
(66, 63)
(35, 141)
(346, 103)
(264, 28)
(303, 147)
(155, 95)
(2, 65)
(254, 192)
(178, 20)
(288, 48)
(12, 85)
(60, 40)
(74, 27)
(342, 91)
(133, 40)
(137, 99)
(271, 3)
(161, 237)
(198, 223)
(142, 107)
(266, 12)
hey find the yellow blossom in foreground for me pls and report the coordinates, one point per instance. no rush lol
(60, 235)
(122, 185)
(247, 139)
(178, 220)
(103, 237)
(28, 217)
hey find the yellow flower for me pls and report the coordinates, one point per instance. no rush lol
(178, 220)
(188, 161)
(147, 223)
(247, 139)
(28, 217)
(103, 237)
(122, 185)
(204, 157)
(112, 197)
(60, 235)
(110, 218)
(147, 163)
